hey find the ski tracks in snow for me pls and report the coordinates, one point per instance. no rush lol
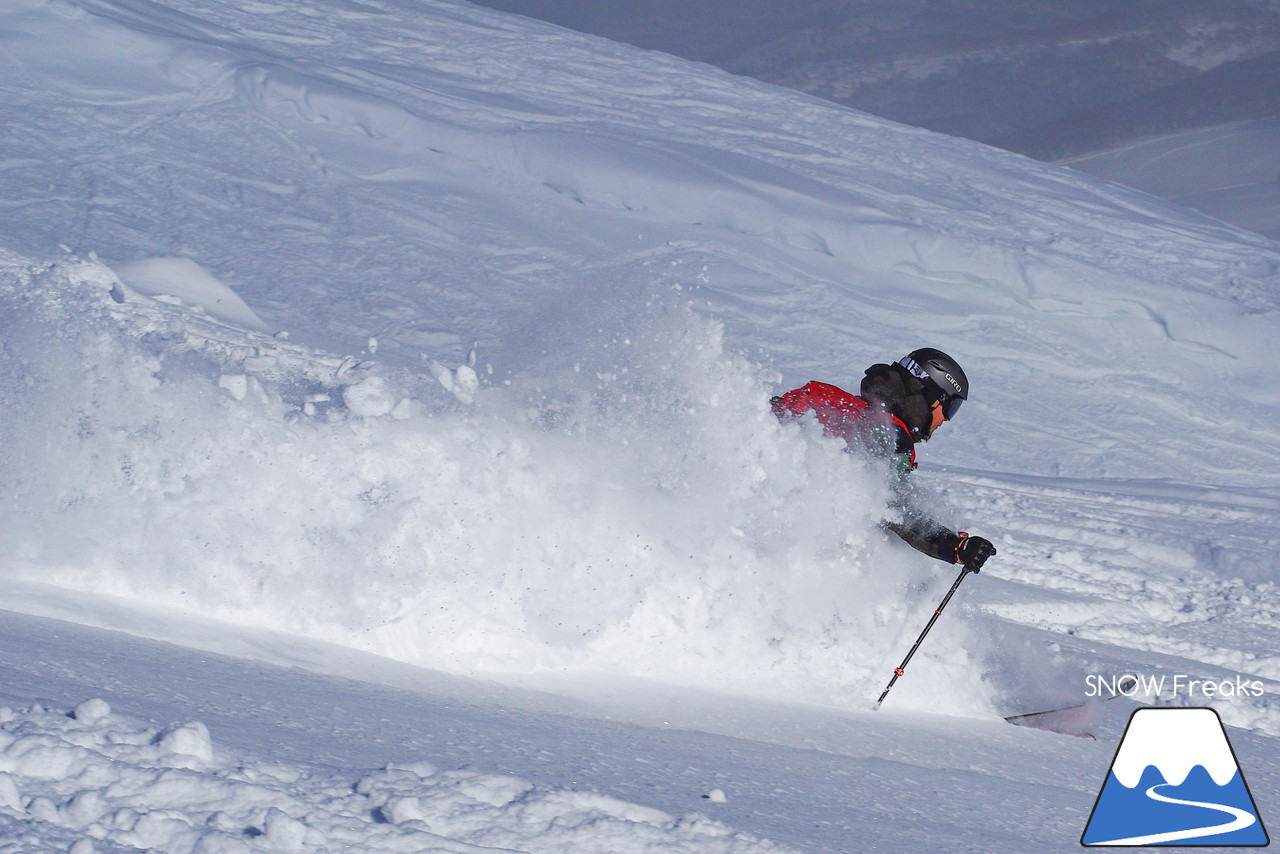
(1145, 566)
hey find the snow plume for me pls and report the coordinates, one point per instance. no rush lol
(635, 509)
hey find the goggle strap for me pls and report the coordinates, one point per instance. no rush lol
(915, 370)
(950, 402)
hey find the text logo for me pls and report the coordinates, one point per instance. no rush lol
(1175, 781)
(1179, 684)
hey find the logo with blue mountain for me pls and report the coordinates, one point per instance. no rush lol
(1175, 781)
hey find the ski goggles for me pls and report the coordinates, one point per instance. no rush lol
(950, 403)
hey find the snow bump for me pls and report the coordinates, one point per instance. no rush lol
(92, 776)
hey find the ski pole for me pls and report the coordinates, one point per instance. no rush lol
(901, 668)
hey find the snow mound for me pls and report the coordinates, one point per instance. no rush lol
(184, 279)
(105, 779)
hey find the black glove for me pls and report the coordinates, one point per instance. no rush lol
(973, 551)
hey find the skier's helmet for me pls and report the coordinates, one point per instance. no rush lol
(943, 379)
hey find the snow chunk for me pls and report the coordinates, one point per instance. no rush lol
(422, 768)
(463, 382)
(10, 795)
(236, 385)
(40, 758)
(284, 832)
(84, 809)
(187, 740)
(370, 398)
(92, 712)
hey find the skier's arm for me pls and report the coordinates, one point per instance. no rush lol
(927, 537)
(937, 541)
(946, 545)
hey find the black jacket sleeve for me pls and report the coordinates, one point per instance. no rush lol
(928, 537)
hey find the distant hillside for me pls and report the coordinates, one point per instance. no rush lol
(1237, 91)
(1003, 72)
(1229, 171)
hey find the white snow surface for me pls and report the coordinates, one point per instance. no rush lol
(521, 299)
(186, 281)
(127, 785)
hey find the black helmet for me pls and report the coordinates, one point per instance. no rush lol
(941, 376)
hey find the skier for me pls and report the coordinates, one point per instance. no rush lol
(899, 405)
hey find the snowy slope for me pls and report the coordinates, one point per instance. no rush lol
(442, 190)
(532, 291)
(1228, 171)
(199, 748)
(284, 760)
(335, 744)
(1043, 79)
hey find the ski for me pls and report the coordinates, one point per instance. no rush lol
(1068, 720)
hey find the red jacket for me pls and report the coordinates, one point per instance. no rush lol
(844, 415)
